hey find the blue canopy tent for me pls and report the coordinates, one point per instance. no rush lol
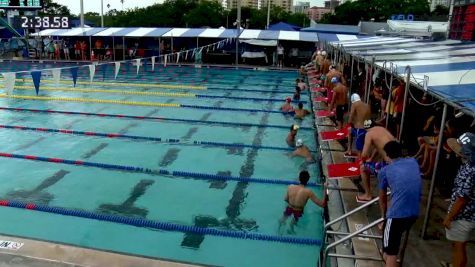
(282, 26)
(444, 69)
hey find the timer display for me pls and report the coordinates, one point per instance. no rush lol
(47, 22)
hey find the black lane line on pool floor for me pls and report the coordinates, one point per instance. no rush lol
(128, 208)
(38, 195)
(233, 210)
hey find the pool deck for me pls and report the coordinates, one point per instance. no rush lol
(42, 253)
(428, 252)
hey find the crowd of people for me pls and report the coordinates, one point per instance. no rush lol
(375, 141)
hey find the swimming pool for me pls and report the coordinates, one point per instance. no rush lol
(227, 125)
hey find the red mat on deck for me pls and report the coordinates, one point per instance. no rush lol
(319, 89)
(320, 99)
(335, 135)
(324, 113)
(343, 170)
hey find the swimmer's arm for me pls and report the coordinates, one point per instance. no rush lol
(352, 113)
(383, 202)
(317, 201)
(366, 147)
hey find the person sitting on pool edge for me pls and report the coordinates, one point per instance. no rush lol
(287, 107)
(297, 197)
(301, 84)
(300, 113)
(302, 150)
(291, 136)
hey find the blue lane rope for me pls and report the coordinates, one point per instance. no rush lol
(248, 98)
(143, 138)
(230, 109)
(223, 123)
(196, 175)
(172, 227)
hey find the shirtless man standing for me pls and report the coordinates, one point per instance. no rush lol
(359, 113)
(325, 66)
(300, 113)
(339, 101)
(291, 136)
(373, 157)
(297, 197)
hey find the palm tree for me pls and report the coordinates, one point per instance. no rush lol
(122, 2)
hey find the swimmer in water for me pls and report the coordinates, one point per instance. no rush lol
(297, 197)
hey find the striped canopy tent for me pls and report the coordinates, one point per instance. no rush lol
(444, 68)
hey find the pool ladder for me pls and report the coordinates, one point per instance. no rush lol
(347, 236)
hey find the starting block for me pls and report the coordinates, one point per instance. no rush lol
(324, 113)
(320, 99)
(335, 135)
(315, 81)
(343, 170)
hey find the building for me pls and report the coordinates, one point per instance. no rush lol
(434, 3)
(244, 3)
(316, 13)
(462, 25)
(287, 5)
(301, 7)
(332, 4)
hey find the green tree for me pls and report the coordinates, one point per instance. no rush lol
(379, 10)
(52, 8)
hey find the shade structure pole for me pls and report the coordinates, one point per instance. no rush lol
(238, 31)
(408, 83)
(123, 48)
(434, 173)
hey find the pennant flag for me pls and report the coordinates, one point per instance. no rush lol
(137, 62)
(74, 73)
(117, 69)
(9, 81)
(186, 55)
(92, 71)
(104, 70)
(36, 75)
(193, 54)
(56, 75)
(178, 57)
(153, 63)
(165, 62)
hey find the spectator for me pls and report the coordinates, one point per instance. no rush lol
(280, 56)
(402, 177)
(460, 219)
(77, 50)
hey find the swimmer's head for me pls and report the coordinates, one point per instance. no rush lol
(319, 52)
(324, 53)
(300, 105)
(355, 98)
(304, 176)
(368, 124)
(299, 143)
(288, 100)
(294, 127)
(332, 67)
(334, 80)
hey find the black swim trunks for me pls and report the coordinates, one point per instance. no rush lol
(340, 112)
(394, 228)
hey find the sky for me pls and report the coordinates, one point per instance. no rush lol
(95, 5)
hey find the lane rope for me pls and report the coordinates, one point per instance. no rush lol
(172, 227)
(169, 86)
(142, 138)
(161, 172)
(153, 118)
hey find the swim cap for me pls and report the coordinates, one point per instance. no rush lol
(288, 99)
(299, 143)
(355, 98)
(319, 52)
(368, 124)
(324, 53)
(334, 80)
(295, 127)
(464, 146)
(332, 67)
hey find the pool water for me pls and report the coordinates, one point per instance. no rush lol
(225, 205)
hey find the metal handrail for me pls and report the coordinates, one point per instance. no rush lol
(367, 204)
(336, 243)
(360, 235)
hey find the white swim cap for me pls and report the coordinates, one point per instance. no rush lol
(332, 67)
(368, 124)
(334, 80)
(355, 98)
(324, 53)
(319, 52)
(299, 143)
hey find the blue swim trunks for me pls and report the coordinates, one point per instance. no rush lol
(374, 167)
(359, 135)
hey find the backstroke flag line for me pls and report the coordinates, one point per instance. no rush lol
(74, 73)
(36, 76)
(56, 75)
(92, 71)
(116, 69)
